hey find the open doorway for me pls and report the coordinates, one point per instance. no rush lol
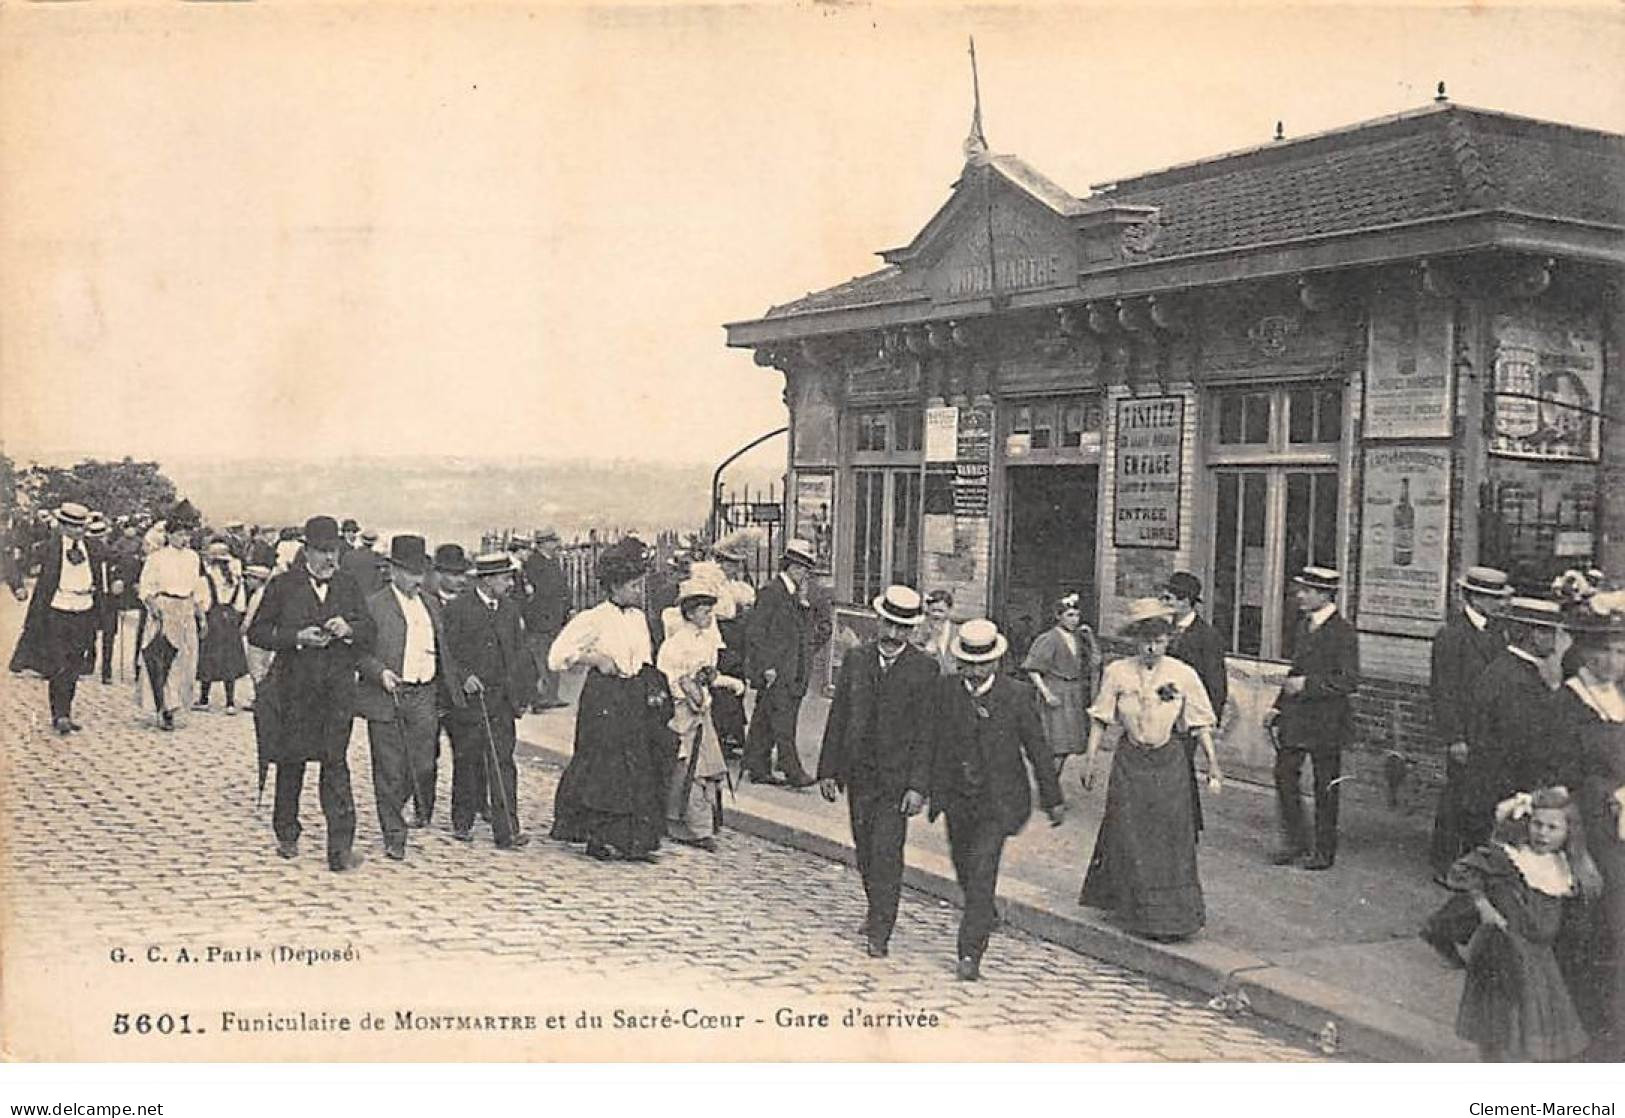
(1050, 544)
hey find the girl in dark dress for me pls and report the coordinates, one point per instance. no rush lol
(221, 657)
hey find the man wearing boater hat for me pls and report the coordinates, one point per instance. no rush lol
(779, 651)
(876, 747)
(986, 736)
(1508, 721)
(1462, 649)
(60, 627)
(403, 676)
(485, 642)
(1313, 718)
(314, 618)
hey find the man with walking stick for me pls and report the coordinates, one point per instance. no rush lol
(485, 642)
(402, 675)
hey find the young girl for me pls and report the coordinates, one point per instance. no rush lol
(1062, 664)
(221, 656)
(1513, 893)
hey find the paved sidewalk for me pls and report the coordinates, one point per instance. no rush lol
(1304, 948)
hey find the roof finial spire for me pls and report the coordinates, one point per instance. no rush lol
(976, 141)
(1440, 95)
(1280, 130)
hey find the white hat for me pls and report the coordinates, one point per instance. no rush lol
(1142, 610)
(800, 551)
(978, 641)
(900, 605)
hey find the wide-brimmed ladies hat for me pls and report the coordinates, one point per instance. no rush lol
(1485, 580)
(734, 546)
(800, 551)
(978, 641)
(1602, 614)
(696, 590)
(900, 605)
(182, 518)
(623, 561)
(1144, 614)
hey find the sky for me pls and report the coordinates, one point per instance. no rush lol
(317, 230)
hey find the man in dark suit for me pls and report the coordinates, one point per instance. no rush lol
(1198, 644)
(986, 736)
(1313, 718)
(401, 690)
(546, 610)
(1462, 649)
(877, 748)
(59, 630)
(484, 640)
(314, 618)
(369, 569)
(448, 577)
(779, 651)
(109, 592)
(1508, 720)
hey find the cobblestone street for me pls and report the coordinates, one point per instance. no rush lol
(121, 835)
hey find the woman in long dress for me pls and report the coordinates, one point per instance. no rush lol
(1587, 751)
(612, 795)
(1144, 863)
(1061, 664)
(688, 660)
(174, 593)
(221, 657)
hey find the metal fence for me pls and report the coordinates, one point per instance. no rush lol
(761, 511)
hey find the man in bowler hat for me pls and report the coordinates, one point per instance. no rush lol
(877, 747)
(314, 618)
(485, 642)
(1198, 644)
(779, 650)
(403, 682)
(1313, 718)
(987, 736)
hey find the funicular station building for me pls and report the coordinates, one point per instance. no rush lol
(1392, 348)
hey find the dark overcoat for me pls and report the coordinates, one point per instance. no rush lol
(1320, 718)
(33, 651)
(488, 643)
(1509, 734)
(388, 650)
(1461, 652)
(878, 730)
(304, 710)
(1000, 734)
(548, 605)
(778, 638)
(1200, 646)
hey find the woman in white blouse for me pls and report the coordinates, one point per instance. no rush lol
(688, 660)
(1144, 863)
(612, 795)
(176, 598)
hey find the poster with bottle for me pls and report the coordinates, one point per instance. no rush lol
(1404, 540)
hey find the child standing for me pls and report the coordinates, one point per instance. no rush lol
(1510, 909)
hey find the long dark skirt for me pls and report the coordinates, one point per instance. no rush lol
(221, 657)
(613, 792)
(1144, 865)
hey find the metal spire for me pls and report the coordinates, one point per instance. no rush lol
(976, 141)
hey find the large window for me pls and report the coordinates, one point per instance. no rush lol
(1274, 459)
(886, 540)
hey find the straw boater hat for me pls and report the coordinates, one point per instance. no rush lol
(98, 528)
(1485, 580)
(72, 514)
(900, 605)
(519, 543)
(1324, 579)
(257, 570)
(218, 550)
(978, 641)
(1145, 614)
(547, 535)
(801, 552)
(1533, 611)
(409, 553)
(493, 563)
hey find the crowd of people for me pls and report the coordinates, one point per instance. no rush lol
(929, 716)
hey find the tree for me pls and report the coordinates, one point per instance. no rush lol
(115, 489)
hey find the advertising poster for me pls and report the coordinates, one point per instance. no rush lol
(1408, 383)
(815, 514)
(1404, 539)
(1150, 435)
(1548, 388)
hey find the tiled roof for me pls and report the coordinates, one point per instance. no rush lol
(1435, 162)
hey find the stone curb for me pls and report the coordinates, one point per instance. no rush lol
(1364, 1027)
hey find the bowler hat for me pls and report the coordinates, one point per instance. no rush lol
(1184, 585)
(493, 563)
(1324, 579)
(321, 533)
(800, 551)
(409, 553)
(978, 641)
(900, 605)
(451, 558)
(1485, 580)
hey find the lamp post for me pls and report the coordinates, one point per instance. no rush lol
(716, 477)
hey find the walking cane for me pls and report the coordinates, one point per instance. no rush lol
(119, 643)
(496, 767)
(411, 769)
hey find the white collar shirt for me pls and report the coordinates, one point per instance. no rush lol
(1150, 703)
(417, 660)
(980, 689)
(1474, 618)
(1320, 616)
(620, 634)
(74, 592)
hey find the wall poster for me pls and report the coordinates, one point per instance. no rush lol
(815, 514)
(1547, 387)
(1405, 540)
(1150, 444)
(1409, 383)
